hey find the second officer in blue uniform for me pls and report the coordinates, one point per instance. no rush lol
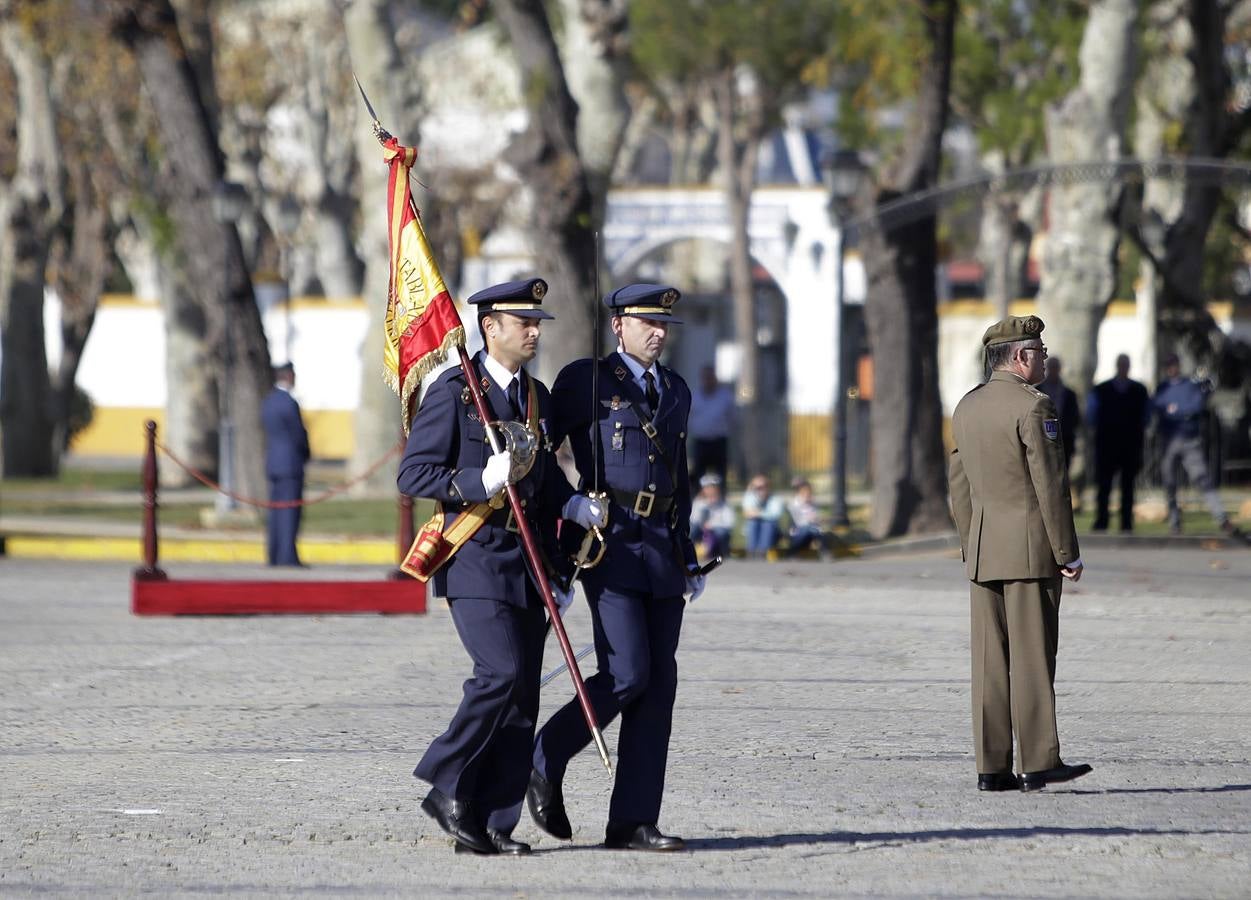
(478, 767)
(636, 593)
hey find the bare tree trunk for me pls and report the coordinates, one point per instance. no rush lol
(217, 274)
(80, 263)
(547, 158)
(31, 206)
(736, 155)
(595, 60)
(1080, 257)
(1211, 130)
(339, 269)
(376, 60)
(901, 313)
(1003, 244)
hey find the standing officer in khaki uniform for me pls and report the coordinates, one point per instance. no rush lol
(1010, 497)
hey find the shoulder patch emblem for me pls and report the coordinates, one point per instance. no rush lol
(1051, 428)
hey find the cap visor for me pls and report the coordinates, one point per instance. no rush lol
(655, 317)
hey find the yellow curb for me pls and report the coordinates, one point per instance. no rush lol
(375, 552)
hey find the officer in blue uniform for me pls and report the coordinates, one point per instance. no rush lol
(478, 767)
(636, 593)
(286, 452)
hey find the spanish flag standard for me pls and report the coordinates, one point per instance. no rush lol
(421, 323)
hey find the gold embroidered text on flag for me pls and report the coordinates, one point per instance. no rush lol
(421, 323)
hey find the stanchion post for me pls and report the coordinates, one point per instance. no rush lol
(149, 571)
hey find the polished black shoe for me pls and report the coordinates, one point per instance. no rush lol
(998, 781)
(627, 836)
(547, 807)
(503, 845)
(456, 818)
(1036, 781)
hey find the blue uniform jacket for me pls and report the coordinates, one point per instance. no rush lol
(446, 452)
(645, 554)
(286, 441)
(1187, 400)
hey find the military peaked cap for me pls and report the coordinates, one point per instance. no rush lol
(1013, 328)
(647, 301)
(521, 298)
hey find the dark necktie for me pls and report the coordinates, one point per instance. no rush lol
(514, 398)
(653, 397)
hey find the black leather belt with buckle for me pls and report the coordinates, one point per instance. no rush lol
(645, 503)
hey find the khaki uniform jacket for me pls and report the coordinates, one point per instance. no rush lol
(1010, 484)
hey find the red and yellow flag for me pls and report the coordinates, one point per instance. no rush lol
(421, 322)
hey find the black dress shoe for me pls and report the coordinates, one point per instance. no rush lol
(998, 781)
(504, 845)
(457, 819)
(547, 807)
(1036, 781)
(627, 836)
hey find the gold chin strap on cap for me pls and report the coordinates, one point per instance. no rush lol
(643, 311)
(509, 307)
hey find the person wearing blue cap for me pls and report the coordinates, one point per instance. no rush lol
(636, 593)
(478, 768)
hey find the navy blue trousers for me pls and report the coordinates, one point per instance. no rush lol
(484, 756)
(283, 525)
(636, 644)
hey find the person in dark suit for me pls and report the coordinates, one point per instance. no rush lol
(286, 452)
(478, 767)
(1064, 399)
(1117, 411)
(636, 593)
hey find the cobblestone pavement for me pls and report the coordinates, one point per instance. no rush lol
(821, 747)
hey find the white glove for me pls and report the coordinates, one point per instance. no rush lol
(695, 585)
(563, 598)
(586, 512)
(495, 473)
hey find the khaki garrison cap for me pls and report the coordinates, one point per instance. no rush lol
(1013, 328)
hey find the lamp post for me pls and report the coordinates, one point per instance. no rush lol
(842, 171)
(229, 203)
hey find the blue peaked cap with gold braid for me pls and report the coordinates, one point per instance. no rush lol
(521, 298)
(647, 301)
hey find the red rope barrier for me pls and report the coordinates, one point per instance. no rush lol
(280, 504)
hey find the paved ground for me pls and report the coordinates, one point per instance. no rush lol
(822, 744)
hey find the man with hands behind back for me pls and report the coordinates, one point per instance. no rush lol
(1010, 498)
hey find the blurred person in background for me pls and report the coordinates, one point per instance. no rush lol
(1117, 411)
(762, 514)
(286, 453)
(1180, 404)
(806, 529)
(709, 428)
(1064, 398)
(712, 519)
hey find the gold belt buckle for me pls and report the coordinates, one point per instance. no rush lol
(644, 502)
(650, 430)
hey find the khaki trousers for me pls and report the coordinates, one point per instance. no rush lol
(1015, 631)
